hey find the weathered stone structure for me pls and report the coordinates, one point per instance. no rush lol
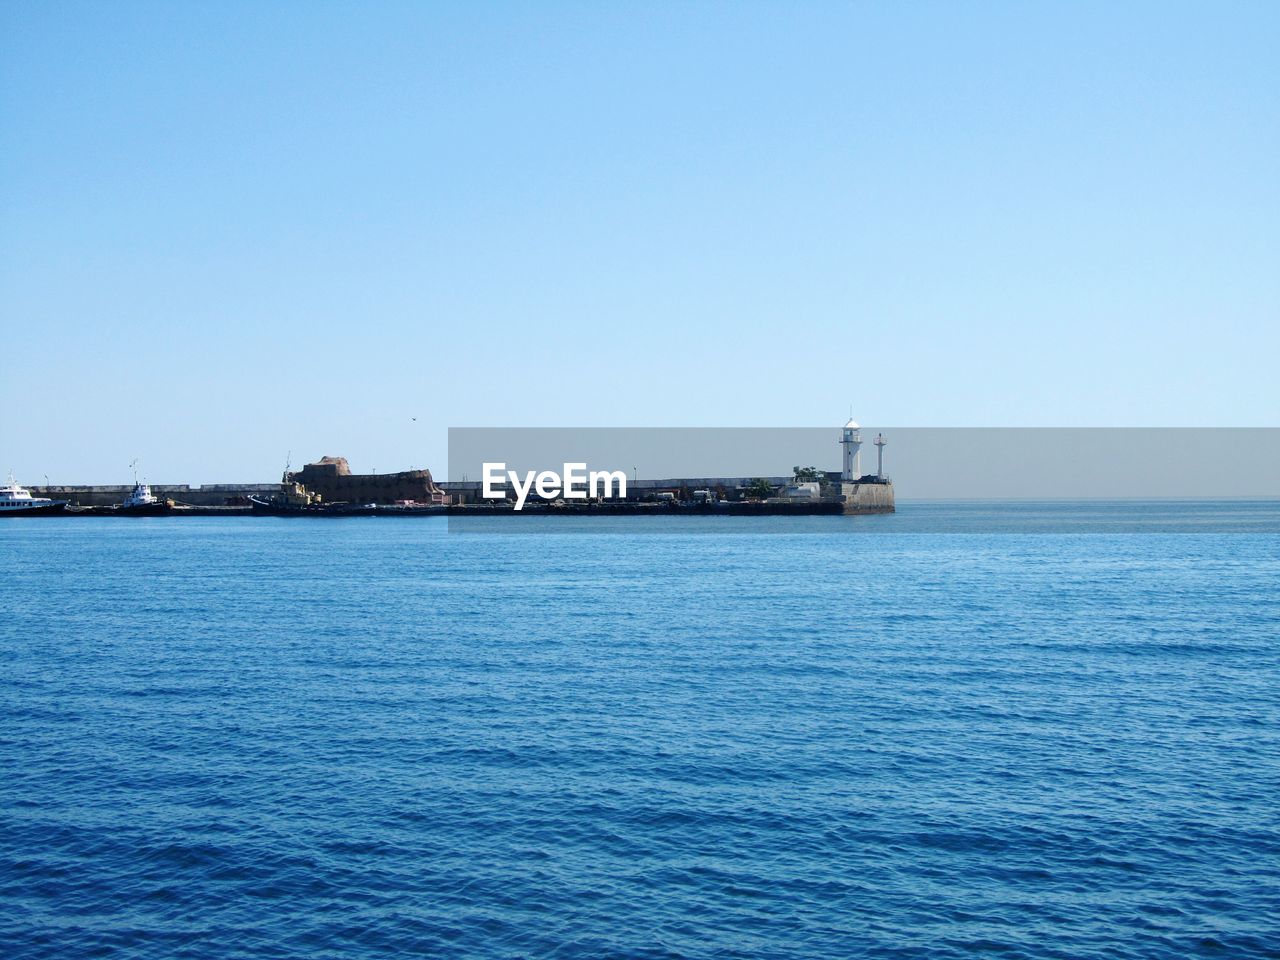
(332, 479)
(868, 495)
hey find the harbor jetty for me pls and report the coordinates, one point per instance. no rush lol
(328, 487)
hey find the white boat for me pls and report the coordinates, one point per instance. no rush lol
(16, 501)
(141, 501)
(141, 496)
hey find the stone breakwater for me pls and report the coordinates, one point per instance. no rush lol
(634, 508)
(332, 479)
(868, 497)
(109, 495)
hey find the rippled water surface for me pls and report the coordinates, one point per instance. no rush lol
(226, 738)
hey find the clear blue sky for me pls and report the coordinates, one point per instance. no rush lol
(232, 230)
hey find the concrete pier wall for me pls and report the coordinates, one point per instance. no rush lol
(864, 497)
(727, 488)
(868, 497)
(208, 495)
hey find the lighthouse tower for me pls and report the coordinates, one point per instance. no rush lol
(851, 440)
(874, 496)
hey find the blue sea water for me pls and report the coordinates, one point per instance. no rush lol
(227, 738)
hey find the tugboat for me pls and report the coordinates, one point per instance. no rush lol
(292, 499)
(295, 500)
(16, 501)
(141, 502)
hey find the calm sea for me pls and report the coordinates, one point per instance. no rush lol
(1046, 733)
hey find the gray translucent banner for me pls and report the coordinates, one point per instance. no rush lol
(915, 480)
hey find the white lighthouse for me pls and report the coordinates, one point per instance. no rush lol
(851, 440)
(874, 496)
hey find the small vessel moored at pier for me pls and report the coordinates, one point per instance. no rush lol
(295, 500)
(141, 502)
(279, 508)
(16, 501)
